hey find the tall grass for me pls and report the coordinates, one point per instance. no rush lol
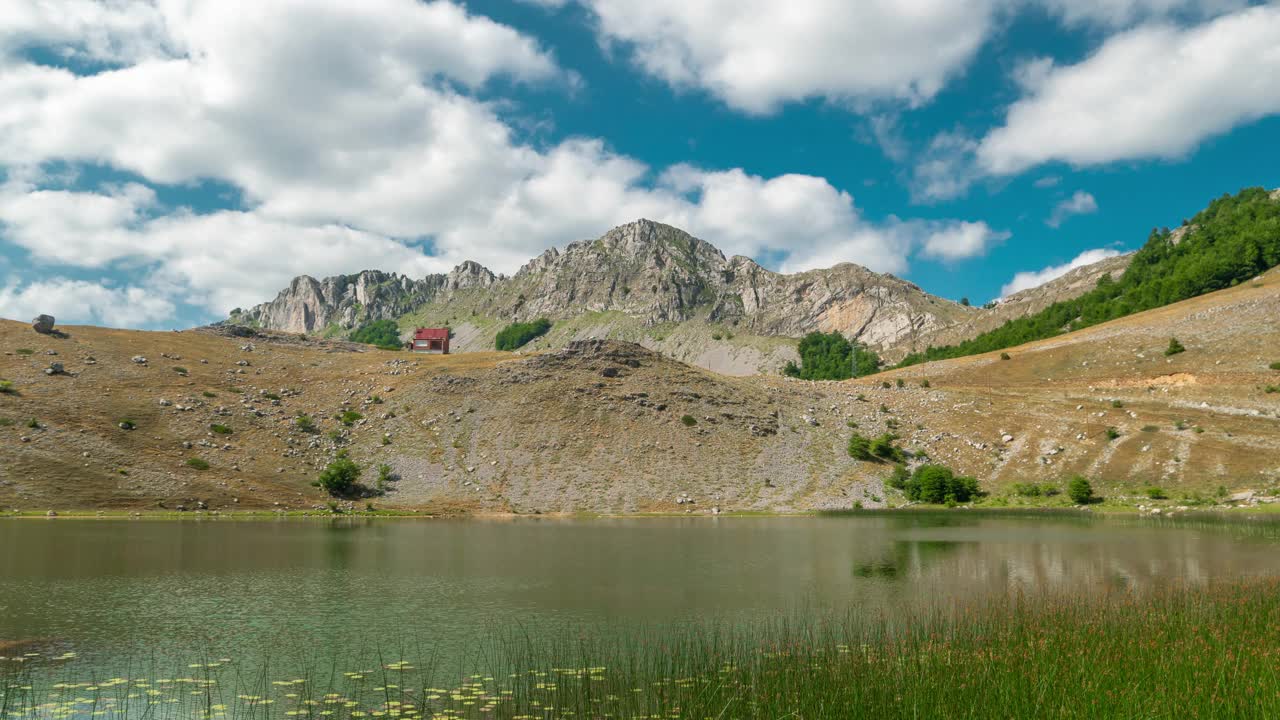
(1183, 653)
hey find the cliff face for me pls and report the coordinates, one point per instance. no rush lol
(647, 271)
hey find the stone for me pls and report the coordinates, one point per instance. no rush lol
(43, 324)
(139, 360)
(54, 369)
(1006, 438)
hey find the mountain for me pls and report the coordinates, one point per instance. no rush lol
(608, 426)
(643, 281)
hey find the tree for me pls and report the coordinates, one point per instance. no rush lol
(883, 448)
(964, 301)
(1080, 491)
(937, 484)
(1174, 348)
(339, 477)
(829, 356)
(517, 335)
(382, 333)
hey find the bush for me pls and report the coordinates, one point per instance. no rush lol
(349, 417)
(34, 424)
(1112, 433)
(1117, 404)
(197, 463)
(180, 370)
(1275, 366)
(898, 478)
(883, 448)
(901, 383)
(25, 351)
(1005, 356)
(1027, 490)
(689, 420)
(220, 429)
(1080, 491)
(6, 387)
(271, 396)
(517, 335)
(382, 333)
(1150, 428)
(1174, 348)
(1156, 493)
(860, 448)
(209, 394)
(937, 484)
(339, 477)
(126, 424)
(305, 423)
(1272, 389)
(925, 383)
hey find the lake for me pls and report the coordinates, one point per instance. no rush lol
(112, 589)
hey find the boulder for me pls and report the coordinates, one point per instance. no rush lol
(43, 324)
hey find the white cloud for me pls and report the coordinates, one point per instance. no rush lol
(945, 169)
(1118, 13)
(332, 122)
(1048, 181)
(1080, 203)
(1031, 279)
(757, 54)
(956, 241)
(80, 302)
(1156, 91)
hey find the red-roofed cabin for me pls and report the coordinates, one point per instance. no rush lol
(431, 340)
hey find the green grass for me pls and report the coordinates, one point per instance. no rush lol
(1198, 652)
(198, 463)
(25, 351)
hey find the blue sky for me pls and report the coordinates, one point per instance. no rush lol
(165, 161)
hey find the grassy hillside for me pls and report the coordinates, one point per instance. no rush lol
(1229, 242)
(612, 427)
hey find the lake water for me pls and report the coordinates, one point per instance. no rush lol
(112, 589)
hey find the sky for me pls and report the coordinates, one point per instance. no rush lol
(165, 161)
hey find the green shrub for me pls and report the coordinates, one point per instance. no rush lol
(271, 396)
(220, 429)
(898, 478)
(1005, 356)
(382, 333)
(1156, 493)
(1274, 366)
(6, 422)
(1117, 404)
(25, 351)
(1027, 489)
(937, 484)
(715, 336)
(1174, 348)
(689, 420)
(180, 370)
(197, 463)
(126, 424)
(349, 417)
(209, 394)
(375, 400)
(517, 335)
(1080, 491)
(339, 477)
(305, 423)
(1150, 428)
(860, 448)
(883, 448)
(885, 385)
(851, 423)
(925, 383)
(34, 424)
(7, 388)
(1271, 389)
(901, 383)
(1112, 433)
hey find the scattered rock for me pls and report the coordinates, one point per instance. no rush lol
(139, 360)
(43, 324)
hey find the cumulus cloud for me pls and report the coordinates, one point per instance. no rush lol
(757, 54)
(1156, 91)
(1080, 203)
(956, 241)
(80, 301)
(348, 133)
(1035, 278)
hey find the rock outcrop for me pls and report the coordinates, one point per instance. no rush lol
(43, 324)
(645, 270)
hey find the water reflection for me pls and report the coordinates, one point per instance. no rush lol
(116, 585)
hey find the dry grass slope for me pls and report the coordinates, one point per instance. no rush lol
(598, 426)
